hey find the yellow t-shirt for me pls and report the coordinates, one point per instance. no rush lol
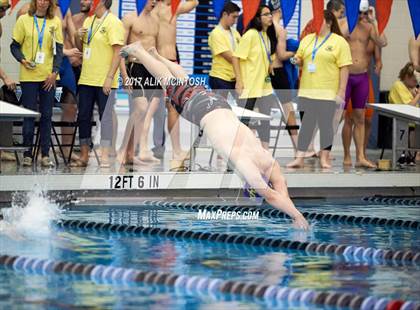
(26, 34)
(254, 64)
(400, 94)
(331, 56)
(106, 32)
(220, 41)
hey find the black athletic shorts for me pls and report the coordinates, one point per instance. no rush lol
(201, 104)
(143, 83)
(281, 85)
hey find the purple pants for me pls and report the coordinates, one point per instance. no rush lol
(357, 90)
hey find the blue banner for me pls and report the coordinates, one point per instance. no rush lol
(218, 7)
(352, 12)
(288, 9)
(64, 6)
(414, 6)
(140, 4)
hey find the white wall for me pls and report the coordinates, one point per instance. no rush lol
(398, 31)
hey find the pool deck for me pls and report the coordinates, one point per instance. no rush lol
(154, 181)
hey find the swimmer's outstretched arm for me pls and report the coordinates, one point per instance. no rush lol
(175, 68)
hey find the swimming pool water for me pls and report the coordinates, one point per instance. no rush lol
(217, 260)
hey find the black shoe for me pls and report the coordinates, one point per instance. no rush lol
(411, 160)
(402, 160)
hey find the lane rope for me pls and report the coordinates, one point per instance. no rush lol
(201, 285)
(348, 252)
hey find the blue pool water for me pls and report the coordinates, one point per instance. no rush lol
(211, 259)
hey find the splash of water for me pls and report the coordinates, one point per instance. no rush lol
(31, 218)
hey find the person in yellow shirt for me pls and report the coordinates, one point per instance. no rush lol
(252, 64)
(405, 91)
(223, 40)
(324, 58)
(38, 46)
(100, 39)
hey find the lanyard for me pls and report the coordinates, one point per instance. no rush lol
(267, 49)
(40, 33)
(91, 34)
(316, 48)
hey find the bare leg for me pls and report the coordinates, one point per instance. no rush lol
(368, 126)
(114, 132)
(324, 159)
(174, 132)
(346, 137)
(298, 162)
(132, 131)
(358, 117)
(145, 153)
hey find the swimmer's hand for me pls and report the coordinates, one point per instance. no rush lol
(372, 14)
(300, 223)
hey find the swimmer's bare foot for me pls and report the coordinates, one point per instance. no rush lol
(147, 156)
(310, 154)
(181, 155)
(124, 158)
(138, 161)
(324, 159)
(74, 157)
(297, 163)
(105, 163)
(128, 50)
(347, 161)
(364, 163)
(325, 164)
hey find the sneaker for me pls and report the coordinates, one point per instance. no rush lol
(27, 162)
(402, 160)
(46, 162)
(411, 160)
